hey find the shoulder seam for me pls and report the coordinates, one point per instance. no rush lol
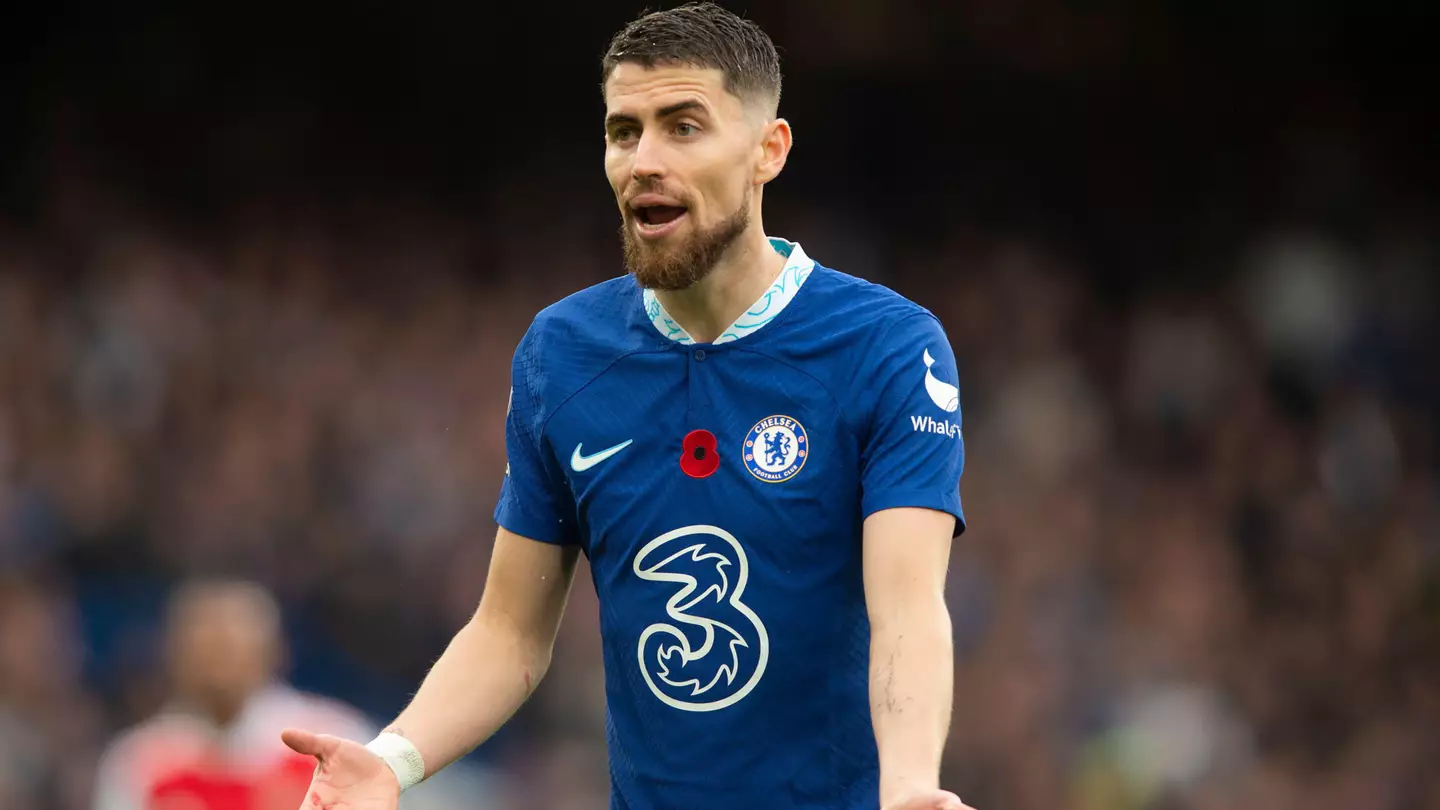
(919, 311)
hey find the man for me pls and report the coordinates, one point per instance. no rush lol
(213, 744)
(216, 745)
(759, 456)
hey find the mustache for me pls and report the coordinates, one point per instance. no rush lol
(653, 187)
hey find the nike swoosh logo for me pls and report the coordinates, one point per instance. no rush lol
(581, 463)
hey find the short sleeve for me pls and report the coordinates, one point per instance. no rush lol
(914, 452)
(535, 500)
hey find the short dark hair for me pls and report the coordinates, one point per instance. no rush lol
(702, 35)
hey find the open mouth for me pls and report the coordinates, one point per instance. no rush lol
(657, 220)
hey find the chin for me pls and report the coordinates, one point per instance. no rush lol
(663, 272)
(681, 257)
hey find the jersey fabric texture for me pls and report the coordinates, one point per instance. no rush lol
(718, 491)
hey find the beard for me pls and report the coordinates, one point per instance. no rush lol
(657, 267)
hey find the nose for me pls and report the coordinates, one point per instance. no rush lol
(649, 158)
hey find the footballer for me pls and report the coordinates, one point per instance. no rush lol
(760, 457)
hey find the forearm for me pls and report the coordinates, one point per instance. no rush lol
(911, 687)
(485, 674)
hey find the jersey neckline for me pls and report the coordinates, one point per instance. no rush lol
(771, 303)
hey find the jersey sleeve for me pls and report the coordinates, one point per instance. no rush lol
(913, 451)
(535, 499)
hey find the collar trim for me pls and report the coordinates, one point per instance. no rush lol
(798, 267)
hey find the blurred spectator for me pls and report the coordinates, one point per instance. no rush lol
(216, 743)
(50, 727)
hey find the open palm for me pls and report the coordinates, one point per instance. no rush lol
(349, 776)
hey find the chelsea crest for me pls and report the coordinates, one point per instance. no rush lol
(776, 448)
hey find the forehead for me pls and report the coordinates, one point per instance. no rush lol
(634, 89)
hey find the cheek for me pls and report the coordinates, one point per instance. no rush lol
(617, 171)
(725, 191)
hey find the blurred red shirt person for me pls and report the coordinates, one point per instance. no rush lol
(216, 745)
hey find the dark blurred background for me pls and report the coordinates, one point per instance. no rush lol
(262, 267)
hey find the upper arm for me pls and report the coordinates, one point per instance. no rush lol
(906, 555)
(528, 585)
(913, 452)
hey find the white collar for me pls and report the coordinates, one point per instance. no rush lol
(797, 268)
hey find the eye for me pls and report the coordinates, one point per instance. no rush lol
(686, 130)
(622, 134)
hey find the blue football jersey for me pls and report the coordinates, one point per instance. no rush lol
(718, 491)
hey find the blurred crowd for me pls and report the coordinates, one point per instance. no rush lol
(1203, 569)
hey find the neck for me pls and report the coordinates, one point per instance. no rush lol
(707, 308)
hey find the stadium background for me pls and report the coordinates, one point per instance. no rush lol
(262, 267)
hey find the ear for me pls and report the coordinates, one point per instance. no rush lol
(774, 148)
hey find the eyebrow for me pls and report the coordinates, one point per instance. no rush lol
(664, 112)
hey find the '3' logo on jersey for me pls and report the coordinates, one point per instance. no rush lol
(712, 649)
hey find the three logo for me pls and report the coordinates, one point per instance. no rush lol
(711, 649)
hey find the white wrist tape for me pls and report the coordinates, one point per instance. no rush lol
(402, 756)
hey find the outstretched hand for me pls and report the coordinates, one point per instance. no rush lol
(348, 775)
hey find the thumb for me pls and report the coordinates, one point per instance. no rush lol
(319, 746)
(936, 800)
(949, 801)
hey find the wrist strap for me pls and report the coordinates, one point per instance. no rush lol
(402, 756)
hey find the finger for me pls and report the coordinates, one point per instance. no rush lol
(949, 801)
(319, 746)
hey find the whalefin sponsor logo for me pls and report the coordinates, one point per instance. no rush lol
(940, 427)
(945, 396)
